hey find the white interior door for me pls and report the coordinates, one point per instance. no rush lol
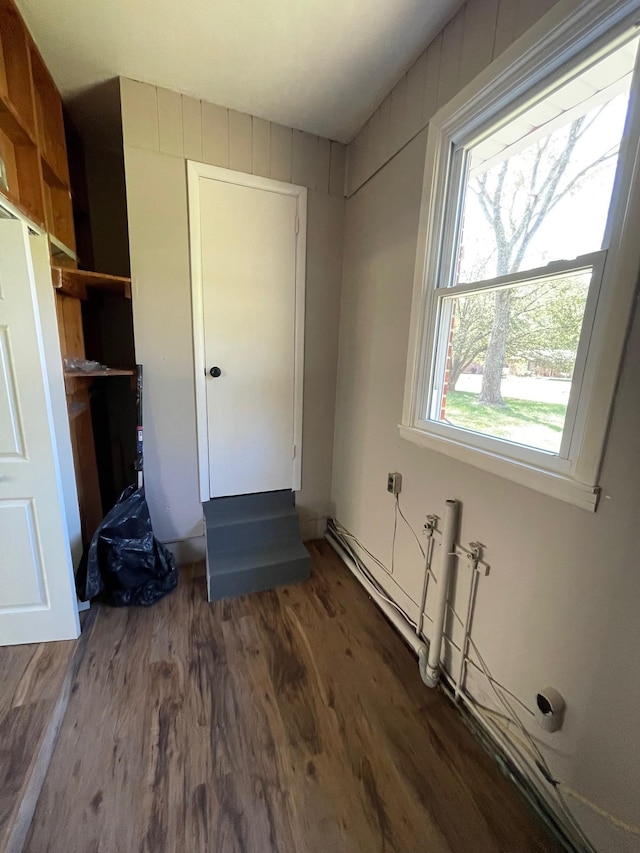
(37, 596)
(250, 270)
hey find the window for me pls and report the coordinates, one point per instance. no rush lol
(525, 221)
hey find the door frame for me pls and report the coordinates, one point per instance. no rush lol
(195, 171)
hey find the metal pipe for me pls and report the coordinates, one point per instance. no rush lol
(427, 570)
(462, 674)
(399, 622)
(431, 673)
(423, 599)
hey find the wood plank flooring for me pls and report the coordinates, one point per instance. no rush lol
(31, 679)
(291, 720)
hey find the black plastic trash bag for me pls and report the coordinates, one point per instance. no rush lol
(125, 564)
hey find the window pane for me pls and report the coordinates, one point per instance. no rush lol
(538, 189)
(509, 359)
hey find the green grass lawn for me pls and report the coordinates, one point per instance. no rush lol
(524, 421)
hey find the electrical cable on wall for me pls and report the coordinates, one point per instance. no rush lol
(395, 530)
(404, 518)
(344, 536)
(524, 744)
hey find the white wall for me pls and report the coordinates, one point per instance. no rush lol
(560, 606)
(161, 129)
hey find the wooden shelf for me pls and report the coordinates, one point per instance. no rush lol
(50, 123)
(59, 214)
(79, 282)
(21, 209)
(61, 255)
(12, 125)
(21, 161)
(50, 174)
(91, 374)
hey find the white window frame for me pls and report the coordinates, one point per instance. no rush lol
(564, 35)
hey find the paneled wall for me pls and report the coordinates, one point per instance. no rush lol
(170, 123)
(161, 129)
(478, 33)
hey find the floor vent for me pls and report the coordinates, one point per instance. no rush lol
(253, 543)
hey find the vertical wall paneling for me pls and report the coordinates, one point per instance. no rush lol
(170, 123)
(365, 164)
(192, 128)
(399, 116)
(336, 169)
(450, 58)
(323, 164)
(529, 13)
(431, 77)
(215, 135)
(385, 130)
(415, 94)
(375, 140)
(305, 152)
(281, 145)
(140, 105)
(351, 162)
(477, 39)
(477, 34)
(505, 26)
(159, 240)
(158, 119)
(261, 147)
(239, 141)
(325, 228)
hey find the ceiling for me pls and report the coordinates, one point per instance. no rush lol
(318, 65)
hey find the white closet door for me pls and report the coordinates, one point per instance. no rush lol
(37, 596)
(248, 239)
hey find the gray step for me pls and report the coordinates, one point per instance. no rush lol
(253, 532)
(248, 570)
(244, 507)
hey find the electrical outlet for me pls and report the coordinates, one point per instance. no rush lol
(394, 483)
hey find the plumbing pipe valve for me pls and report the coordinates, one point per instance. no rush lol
(431, 525)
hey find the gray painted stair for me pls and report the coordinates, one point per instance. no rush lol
(253, 543)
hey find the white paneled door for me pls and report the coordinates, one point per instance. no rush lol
(248, 253)
(37, 598)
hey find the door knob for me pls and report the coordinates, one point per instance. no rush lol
(215, 372)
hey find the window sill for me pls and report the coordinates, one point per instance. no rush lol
(558, 486)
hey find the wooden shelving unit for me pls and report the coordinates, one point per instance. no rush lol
(79, 283)
(94, 310)
(80, 296)
(32, 141)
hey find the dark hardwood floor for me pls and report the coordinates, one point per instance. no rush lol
(291, 721)
(31, 680)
